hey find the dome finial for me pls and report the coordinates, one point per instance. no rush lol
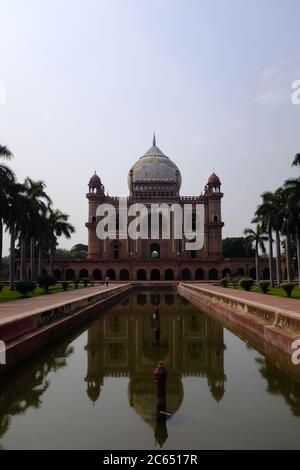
(154, 140)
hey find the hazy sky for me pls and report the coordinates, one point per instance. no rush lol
(88, 81)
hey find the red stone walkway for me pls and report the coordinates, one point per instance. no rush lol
(23, 307)
(280, 303)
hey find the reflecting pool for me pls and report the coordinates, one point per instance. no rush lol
(96, 388)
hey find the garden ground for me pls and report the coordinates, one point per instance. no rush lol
(7, 295)
(278, 291)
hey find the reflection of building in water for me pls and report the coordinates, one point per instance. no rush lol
(122, 343)
(25, 385)
(280, 384)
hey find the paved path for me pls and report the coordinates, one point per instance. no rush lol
(22, 307)
(292, 305)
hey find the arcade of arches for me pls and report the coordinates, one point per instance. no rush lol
(159, 273)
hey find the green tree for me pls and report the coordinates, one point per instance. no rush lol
(296, 161)
(42, 230)
(7, 179)
(39, 201)
(79, 251)
(257, 238)
(57, 225)
(237, 247)
(18, 206)
(5, 268)
(292, 218)
(278, 217)
(63, 253)
(269, 214)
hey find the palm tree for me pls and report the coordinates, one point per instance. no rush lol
(42, 230)
(7, 178)
(5, 153)
(58, 225)
(256, 238)
(270, 214)
(264, 214)
(17, 205)
(39, 202)
(278, 221)
(35, 201)
(26, 211)
(22, 226)
(296, 161)
(292, 223)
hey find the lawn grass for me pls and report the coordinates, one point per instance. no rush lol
(6, 295)
(278, 291)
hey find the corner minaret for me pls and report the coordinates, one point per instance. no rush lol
(214, 216)
(95, 196)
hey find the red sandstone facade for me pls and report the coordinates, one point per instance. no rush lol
(77, 268)
(154, 178)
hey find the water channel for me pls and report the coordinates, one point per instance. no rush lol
(95, 389)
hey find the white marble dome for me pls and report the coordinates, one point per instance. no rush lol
(155, 167)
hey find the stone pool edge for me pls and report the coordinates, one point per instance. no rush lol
(25, 335)
(273, 325)
(35, 329)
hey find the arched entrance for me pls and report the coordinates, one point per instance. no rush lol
(70, 274)
(141, 275)
(124, 275)
(186, 274)
(169, 275)
(83, 273)
(155, 275)
(213, 274)
(111, 274)
(226, 272)
(97, 275)
(199, 274)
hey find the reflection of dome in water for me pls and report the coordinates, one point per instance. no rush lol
(154, 353)
(142, 397)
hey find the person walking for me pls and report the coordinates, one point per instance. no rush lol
(107, 281)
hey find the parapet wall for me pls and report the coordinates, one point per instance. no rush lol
(26, 333)
(276, 326)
